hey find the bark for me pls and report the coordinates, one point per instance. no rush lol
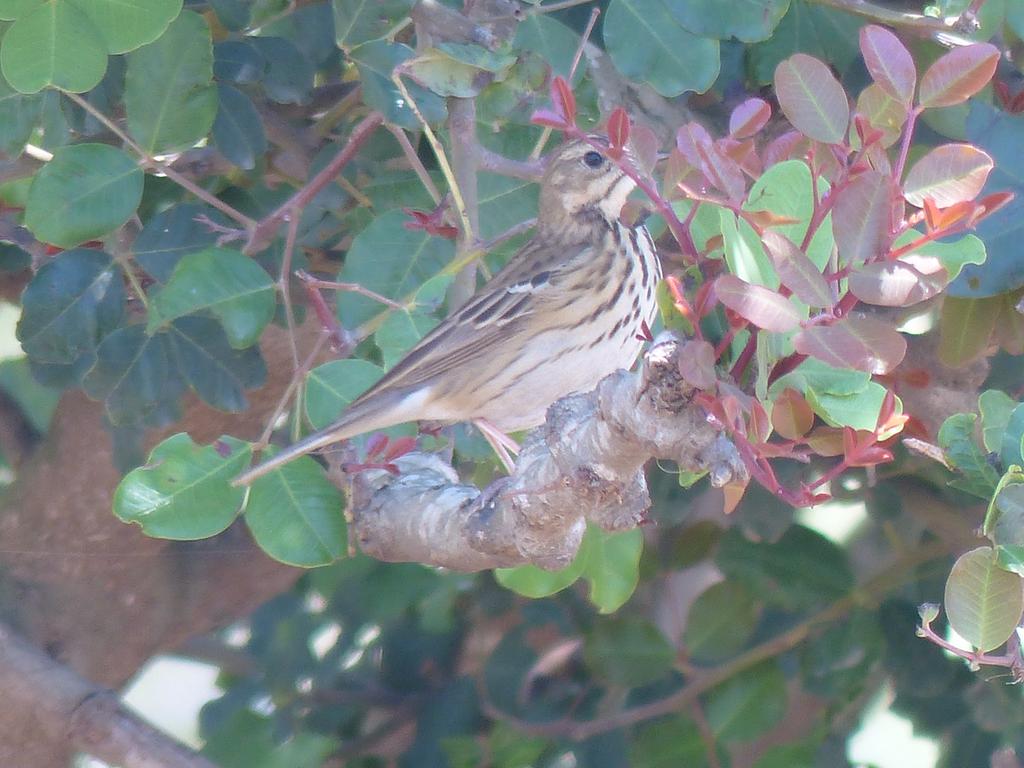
(97, 595)
(586, 463)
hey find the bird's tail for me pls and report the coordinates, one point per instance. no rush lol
(363, 415)
(321, 439)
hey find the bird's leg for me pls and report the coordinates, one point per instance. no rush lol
(499, 441)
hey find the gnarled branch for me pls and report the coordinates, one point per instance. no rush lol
(584, 464)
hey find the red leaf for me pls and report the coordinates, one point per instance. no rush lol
(861, 217)
(749, 118)
(563, 100)
(949, 174)
(720, 171)
(758, 305)
(697, 364)
(958, 75)
(884, 113)
(995, 201)
(889, 62)
(548, 118)
(786, 147)
(862, 343)
(796, 271)
(618, 132)
(792, 417)
(812, 98)
(895, 284)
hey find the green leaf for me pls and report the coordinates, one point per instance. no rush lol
(1011, 450)
(628, 651)
(54, 44)
(332, 386)
(965, 327)
(552, 40)
(504, 202)
(720, 622)
(812, 98)
(1004, 522)
(391, 260)
(216, 372)
(19, 115)
(296, 515)
(400, 332)
(174, 233)
(995, 407)
(84, 192)
(745, 254)
(670, 743)
(998, 133)
(458, 70)
(72, 302)
(954, 255)
(35, 400)
(359, 21)
(238, 128)
(609, 561)
(135, 378)
(983, 602)
(249, 740)
(15, 9)
(289, 75)
(800, 570)
(184, 492)
(808, 28)
(746, 20)
(787, 756)
(231, 286)
(169, 96)
(747, 705)
(127, 24)
(376, 61)
(648, 45)
(786, 190)
(956, 438)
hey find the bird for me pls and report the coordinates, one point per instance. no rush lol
(574, 304)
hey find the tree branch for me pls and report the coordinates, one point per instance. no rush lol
(585, 464)
(68, 707)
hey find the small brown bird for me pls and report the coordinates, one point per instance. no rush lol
(568, 309)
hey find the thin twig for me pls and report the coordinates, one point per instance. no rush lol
(415, 163)
(284, 287)
(546, 133)
(164, 168)
(316, 282)
(282, 403)
(264, 230)
(442, 158)
(559, 6)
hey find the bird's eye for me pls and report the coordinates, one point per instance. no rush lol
(593, 159)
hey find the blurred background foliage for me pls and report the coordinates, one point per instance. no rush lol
(141, 142)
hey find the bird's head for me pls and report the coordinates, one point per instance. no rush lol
(582, 180)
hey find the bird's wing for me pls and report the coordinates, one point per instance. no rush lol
(526, 284)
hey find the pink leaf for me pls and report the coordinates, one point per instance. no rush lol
(789, 145)
(700, 151)
(549, 118)
(618, 131)
(812, 98)
(697, 364)
(895, 284)
(889, 62)
(796, 271)
(958, 75)
(758, 305)
(862, 343)
(861, 217)
(563, 100)
(883, 112)
(949, 174)
(749, 118)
